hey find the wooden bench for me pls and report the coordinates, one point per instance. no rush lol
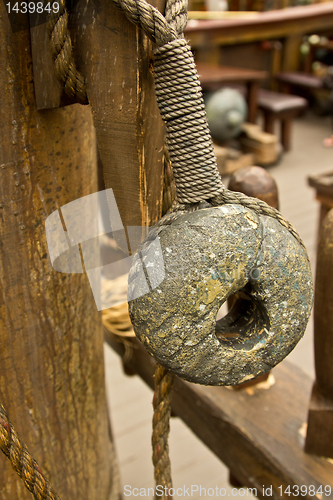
(291, 79)
(283, 107)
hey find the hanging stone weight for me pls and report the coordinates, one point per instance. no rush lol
(187, 268)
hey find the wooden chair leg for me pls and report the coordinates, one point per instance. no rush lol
(285, 88)
(269, 122)
(286, 133)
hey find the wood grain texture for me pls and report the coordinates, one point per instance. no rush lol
(117, 62)
(49, 93)
(51, 343)
(320, 421)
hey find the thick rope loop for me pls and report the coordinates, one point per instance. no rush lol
(176, 14)
(61, 49)
(149, 19)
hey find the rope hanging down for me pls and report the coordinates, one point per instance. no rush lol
(61, 49)
(161, 428)
(22, 462)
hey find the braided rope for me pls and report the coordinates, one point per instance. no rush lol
(232, 197)
(176, 14)
(179, 97)
(149, 19)
(259, 207)
(22, 462)
(62, 54)
(161, 428)
(188, 138)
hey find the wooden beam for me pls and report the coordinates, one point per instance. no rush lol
(267, 25)
(48, 91)
(116, 60)
(51, 342)
(320, 421)
(258, 434)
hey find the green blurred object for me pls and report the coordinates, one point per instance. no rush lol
(226, 111)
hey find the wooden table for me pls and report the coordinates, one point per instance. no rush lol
(212, 74)
(290, 24)
(263, 26)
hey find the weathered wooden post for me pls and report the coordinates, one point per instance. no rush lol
(116, 61)
(51, 342)
(320, 419)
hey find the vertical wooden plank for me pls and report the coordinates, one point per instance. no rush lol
(320, 419)
(51, 342)
(291, 53)
(116, 60)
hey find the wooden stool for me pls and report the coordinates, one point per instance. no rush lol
(290, 79)
(283, 107)
(323, 184)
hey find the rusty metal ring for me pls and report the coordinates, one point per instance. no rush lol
(185, 271)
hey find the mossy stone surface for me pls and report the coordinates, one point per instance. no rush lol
(186, 270)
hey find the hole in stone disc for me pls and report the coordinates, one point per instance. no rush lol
(246, 323)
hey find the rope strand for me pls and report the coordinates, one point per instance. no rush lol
(161, 428)
(188, 139)
(61, 49)
(22, 462)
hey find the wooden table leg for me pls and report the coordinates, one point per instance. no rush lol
(269, 122)
(286, 133)
(252, 100)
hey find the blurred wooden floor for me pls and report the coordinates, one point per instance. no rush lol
(130, 400)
